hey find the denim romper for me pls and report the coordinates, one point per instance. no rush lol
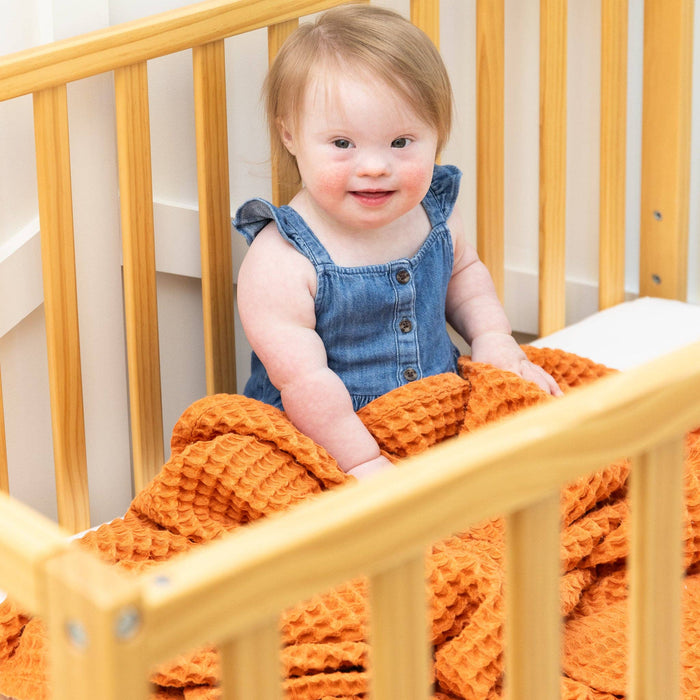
(382, 325)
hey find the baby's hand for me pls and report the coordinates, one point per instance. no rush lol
(502, 351)
(372, 466)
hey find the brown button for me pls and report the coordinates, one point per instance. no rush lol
(405, 325)
(403, 276)
(410, 374)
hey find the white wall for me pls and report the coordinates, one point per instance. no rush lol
(22, 338)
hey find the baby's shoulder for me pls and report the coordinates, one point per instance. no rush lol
(271, 258)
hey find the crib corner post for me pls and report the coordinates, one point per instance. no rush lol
(96, 631)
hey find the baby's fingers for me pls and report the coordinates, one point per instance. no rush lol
(536, 374)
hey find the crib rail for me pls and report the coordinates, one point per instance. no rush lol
(228, 592)
(141, 40)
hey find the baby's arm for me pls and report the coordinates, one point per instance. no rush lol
(276, 288)
(474, 310)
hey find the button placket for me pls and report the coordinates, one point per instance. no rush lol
(408, 362)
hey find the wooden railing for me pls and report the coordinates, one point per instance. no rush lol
(107, 630)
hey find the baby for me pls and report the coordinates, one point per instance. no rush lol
(344, 294)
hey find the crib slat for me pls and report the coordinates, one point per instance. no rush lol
(553, 23)
(613, 152)
(140, 304)
(251, 665)
(284, 177)
(61, 306)
(666, 113)
(215, 216)
(426, 15)
(533, 621)
(490, 61)
(400, 649)
(4, 475)
(655, 572)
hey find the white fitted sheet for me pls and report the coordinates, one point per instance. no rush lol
(631, 333)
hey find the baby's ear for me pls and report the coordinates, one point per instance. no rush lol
(286, 135)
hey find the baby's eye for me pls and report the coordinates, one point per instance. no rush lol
(342, 143)
(401, 142)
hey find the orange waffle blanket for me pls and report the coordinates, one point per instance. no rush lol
(235, 460)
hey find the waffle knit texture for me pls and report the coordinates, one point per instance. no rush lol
(235, 460)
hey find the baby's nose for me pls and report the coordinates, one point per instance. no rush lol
(373, 164)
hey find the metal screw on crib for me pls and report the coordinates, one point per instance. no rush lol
(127, 624)
(77, 634)
(656, 279)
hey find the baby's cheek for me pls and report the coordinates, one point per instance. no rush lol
(331, 181)
(417, 178)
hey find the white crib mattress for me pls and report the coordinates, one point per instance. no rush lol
(630, 334)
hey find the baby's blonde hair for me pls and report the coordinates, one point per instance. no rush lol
(368, 38)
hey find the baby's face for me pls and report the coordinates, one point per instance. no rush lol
(365, 157)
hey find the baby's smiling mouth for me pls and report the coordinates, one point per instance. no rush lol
(372, 196)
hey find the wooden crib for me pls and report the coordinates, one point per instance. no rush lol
(107, 630)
